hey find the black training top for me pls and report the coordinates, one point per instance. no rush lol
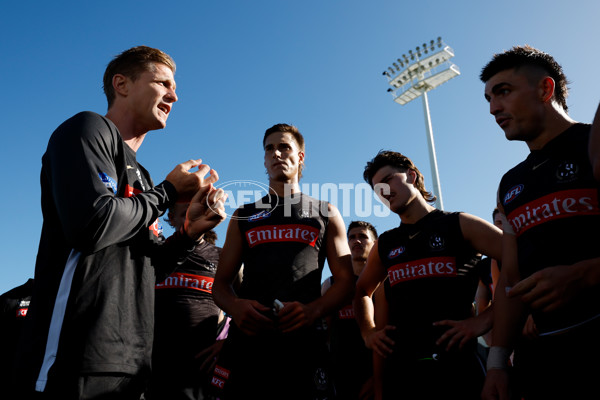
(101, 244)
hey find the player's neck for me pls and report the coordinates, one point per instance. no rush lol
(554, 124)
(284, 188)
(417, 209)
(129, 130)
(358, 265)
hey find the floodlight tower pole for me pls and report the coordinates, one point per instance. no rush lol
(437, 188)
(413, 76)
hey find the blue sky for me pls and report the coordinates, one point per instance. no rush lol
(243, 66)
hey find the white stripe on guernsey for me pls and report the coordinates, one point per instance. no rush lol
(58, 315)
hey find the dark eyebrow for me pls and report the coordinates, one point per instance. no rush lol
(385, 178)
(498, 86)
(495, 89)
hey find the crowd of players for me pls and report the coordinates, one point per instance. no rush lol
(117, 311)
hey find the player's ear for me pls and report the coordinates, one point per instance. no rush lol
(411, 176)
(120, 84)
(546, 87)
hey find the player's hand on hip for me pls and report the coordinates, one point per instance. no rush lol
(379, 341)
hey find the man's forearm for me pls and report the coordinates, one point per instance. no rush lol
(364, 314)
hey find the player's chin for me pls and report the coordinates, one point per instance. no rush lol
(278, 175)
(162, 124)
(160, 121)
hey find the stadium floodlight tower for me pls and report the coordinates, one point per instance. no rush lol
(416, 74)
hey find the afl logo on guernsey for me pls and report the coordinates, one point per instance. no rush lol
(259, 216)
(513, 193)
(396, 252)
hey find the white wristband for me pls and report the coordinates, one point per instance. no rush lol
(498, 357)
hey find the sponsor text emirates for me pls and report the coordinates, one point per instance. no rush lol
(282, 233)
(187, 281)
(424, 268)
(346, 312)
(563, 204)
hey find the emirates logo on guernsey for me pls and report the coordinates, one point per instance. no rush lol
(563, 204)
(425, 268)
(282, 233)
(346, 313)
(179, 280)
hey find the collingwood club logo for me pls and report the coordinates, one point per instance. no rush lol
(436, 242)
(567, 171)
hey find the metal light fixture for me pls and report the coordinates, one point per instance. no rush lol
(428, 68)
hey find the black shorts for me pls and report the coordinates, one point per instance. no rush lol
(457, 377)
(561, 366)
(280, 366)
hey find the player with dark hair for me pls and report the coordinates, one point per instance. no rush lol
(428, 268)
(276, 346)
(352, 362)
(551, 257)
